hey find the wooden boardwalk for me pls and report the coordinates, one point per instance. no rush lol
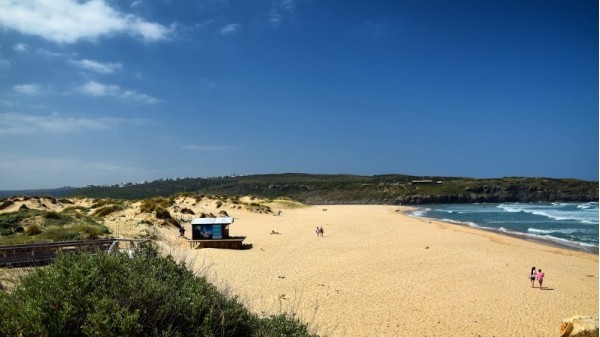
(41, 253)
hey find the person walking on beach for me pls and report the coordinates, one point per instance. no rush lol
(318, 231)
(321, 231)
(532, 276)
(540, 277)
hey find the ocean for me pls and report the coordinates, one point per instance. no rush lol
(572, 225)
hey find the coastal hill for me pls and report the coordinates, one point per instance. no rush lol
(353, 189)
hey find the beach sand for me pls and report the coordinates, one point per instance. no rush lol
(378, 272)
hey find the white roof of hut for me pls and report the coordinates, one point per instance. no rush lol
(212, 221)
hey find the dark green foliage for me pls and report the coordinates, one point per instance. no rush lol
(6, 204)
(61, 234)
(282, 325)
(48, 226)
(33, 229)
(52, 215)
(114, 295)
(151, 205)
(162, 213)
(106, 210)
(9, 222)
(314, 188)
(104, 202)
(187, 211)
(90, 232)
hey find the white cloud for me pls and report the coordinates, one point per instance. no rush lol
(48, 53)
(132, 95)
(13, 123)
(279, 10)
(136, 3)
(67, 21)
(231, 28)
(206, 148)
(21, 47)
(28, 89)
(98, 89)
(102, 68)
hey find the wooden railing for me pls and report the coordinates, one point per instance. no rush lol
(39, 253)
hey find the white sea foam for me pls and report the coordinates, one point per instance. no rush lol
(511, 208)
(541, 221)
(419, 213)
(588, 205)
(554, 212)
(561, 231)
(565, 242)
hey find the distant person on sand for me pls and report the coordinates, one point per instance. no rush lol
(532, 276)
(540, 277)
(318, 231)
(321, 231)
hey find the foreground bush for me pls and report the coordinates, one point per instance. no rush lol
(114, 295)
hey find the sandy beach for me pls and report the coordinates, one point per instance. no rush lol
(378, 272)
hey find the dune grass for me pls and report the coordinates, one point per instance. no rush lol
(115, 295)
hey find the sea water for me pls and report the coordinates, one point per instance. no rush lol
(574, 225)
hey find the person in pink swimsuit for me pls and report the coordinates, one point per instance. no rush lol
(540, 277)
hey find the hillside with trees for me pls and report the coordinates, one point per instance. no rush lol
(353, 189)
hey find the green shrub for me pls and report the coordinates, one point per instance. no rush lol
(187, 211)
(33, 229)
(150, 205)
(162, 213)
(61, 234)
(115, 295)
(106, 210)
(90, 232)
(6, 204)
(105, 202)
(282, 325)
(52, 215)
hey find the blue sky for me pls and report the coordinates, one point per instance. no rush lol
(96, 92)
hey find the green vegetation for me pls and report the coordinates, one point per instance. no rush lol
(162, 213)
(106, 210)
(115, 295)
(30, 225)
(151, 205)
(6, 204)
(393, 189)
